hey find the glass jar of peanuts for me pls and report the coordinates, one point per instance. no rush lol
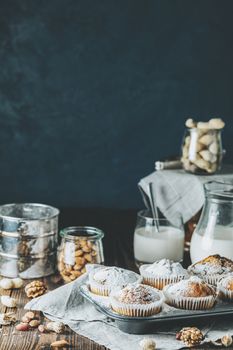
(80, 245)
(202, 146)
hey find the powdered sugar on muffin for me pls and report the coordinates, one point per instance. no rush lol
(212, 265)
(137, 300)
(193, 287)
(191, 294)
(165, 267)
(114, 276)
(103, 280)
(162, 272)
(137, 294)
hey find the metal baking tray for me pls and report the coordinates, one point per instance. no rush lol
(145, 325)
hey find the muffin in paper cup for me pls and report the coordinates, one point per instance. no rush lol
(137, 300)
(225, 288)
(162, 272)
(104, 279)
(191, 294)
(212, 269)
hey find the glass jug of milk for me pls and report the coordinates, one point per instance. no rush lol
(151, 245)
(214, 231)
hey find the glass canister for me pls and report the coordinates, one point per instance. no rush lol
(28, 240)
(80, 245)
(202, 150)
(214, 231)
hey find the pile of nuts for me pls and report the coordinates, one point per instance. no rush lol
(202, 149)
(30, 321)
(74, 256)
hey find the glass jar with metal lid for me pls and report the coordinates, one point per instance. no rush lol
(28, 240)
(80, 245)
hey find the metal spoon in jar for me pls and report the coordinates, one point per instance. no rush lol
(153, 206)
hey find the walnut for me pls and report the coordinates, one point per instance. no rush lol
(191, 336)
(35, 289)
(226, 340)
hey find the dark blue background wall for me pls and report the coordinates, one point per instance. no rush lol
(93, 92)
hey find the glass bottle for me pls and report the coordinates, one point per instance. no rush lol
(80, 245)
(214, 231)
(202, 150)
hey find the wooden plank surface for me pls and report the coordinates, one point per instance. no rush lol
(11, 339)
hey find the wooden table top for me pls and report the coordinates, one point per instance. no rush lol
(118, 226)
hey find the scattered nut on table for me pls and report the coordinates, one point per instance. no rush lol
(57, 327)
(35, 289)
(10, 283)
(22, 327)
(18, 282)
(28, 317)
(34, 323)
(59, 344)
(6, 283)
(191, 336)
(7, 318)
(41, 328)
(226, 340)
(147, 344)
(7, 301)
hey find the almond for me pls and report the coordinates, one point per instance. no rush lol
(34, 323)
(30, 315)
(59, 344)
(22, 327)
(25, 319)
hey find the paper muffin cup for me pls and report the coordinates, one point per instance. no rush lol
(99, 290)
(159, 281)
(136, 310)
(105, 290)
(224, 293)
(211, 279)
(189, 303)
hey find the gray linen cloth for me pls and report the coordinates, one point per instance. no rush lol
(65, 304)
(180, 193)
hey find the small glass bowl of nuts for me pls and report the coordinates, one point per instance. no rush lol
(80, 245)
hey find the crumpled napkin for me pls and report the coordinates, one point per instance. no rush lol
(180, 193)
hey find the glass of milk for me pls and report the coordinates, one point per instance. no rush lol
(214, 231)
(151, 245)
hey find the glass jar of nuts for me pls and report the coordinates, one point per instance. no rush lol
(80, 245)
(202, 146)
